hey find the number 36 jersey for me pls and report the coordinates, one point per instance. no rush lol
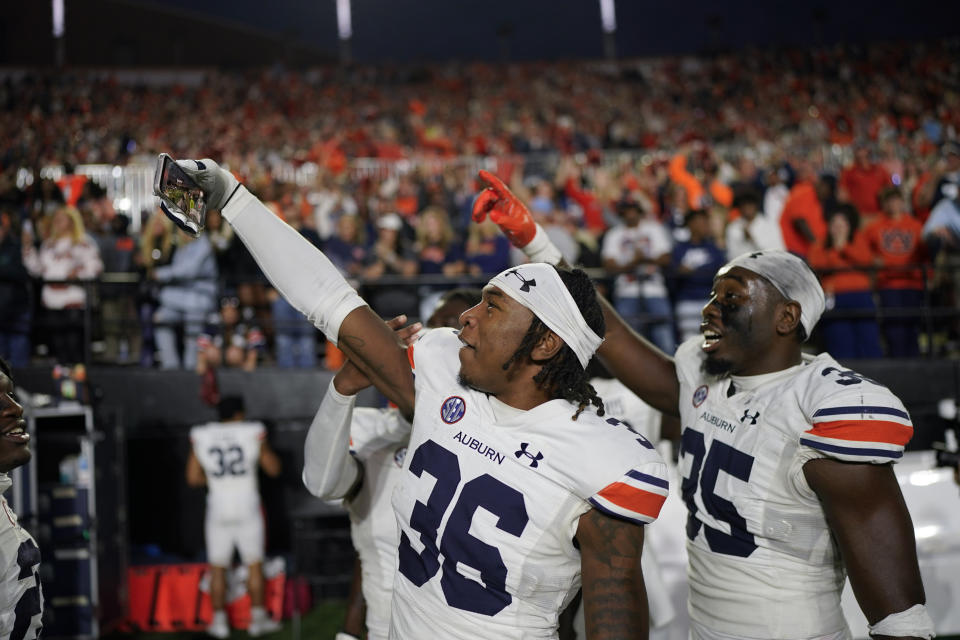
(490, 500)
(229, 453)
(762, 561)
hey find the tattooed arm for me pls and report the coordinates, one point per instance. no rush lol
(614, 598)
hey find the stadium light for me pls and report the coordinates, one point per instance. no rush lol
(58, 19)
(608, 16)
(344, 26)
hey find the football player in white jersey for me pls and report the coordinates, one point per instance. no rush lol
(21, 595)
(369, 446)
(225, 456)
(517, 489)
(786, 458)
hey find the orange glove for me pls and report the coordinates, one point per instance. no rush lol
(505, 209)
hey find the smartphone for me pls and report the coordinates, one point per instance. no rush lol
(180, 193)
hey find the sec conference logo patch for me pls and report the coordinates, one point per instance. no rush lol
(700, 395)
(452, 409)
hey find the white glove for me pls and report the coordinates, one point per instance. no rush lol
(218, 186)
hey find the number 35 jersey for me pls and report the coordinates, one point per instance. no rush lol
(229, 453)
(490, 500)
(762, 560)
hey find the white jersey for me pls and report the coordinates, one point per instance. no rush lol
(229, 453)
(622, 243)
(378, 438)
(619, 401)
(490, 500)
(762, 560)
(21, 595)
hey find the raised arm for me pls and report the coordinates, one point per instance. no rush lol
(614, 596)
(646, 370)
(869, 519)
(310, 282)
(637, 363)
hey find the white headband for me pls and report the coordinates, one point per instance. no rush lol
(538, 287)
(791, 276)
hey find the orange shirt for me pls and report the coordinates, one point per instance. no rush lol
(851, 260)
(898, 243)
(677, 169)
(863, 186)
(802, 204)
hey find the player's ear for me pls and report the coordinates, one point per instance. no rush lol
(548, 346)
(788, 317)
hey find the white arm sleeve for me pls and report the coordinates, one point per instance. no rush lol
(298, 270)
(329, 471)
(541, 249)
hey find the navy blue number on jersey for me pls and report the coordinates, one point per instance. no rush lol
(456, 544)
(704, 470)
(229, 461)
(845, 377)
(28, 559)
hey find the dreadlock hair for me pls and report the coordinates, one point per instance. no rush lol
(562, 376)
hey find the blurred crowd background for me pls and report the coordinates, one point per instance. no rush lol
(650, 172)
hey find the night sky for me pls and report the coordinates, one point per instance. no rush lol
(405, 30)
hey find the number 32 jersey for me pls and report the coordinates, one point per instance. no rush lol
(490, 500)
(229, 453)
(762, 560)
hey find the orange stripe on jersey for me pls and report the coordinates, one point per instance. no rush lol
(410, 356)
(864, 431)
(633, 499)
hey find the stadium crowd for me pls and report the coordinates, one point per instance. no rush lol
(652, 172)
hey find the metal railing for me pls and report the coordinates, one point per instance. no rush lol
(938, 315)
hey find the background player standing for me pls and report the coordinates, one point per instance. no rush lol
(224, 457)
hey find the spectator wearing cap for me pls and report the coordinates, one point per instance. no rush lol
(635, 250)
(896, 241)
(862, 182)
(850, 329)
(389, 256)
(694, 262)
(752, 230)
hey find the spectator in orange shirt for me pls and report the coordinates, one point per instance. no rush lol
(896, 241)
(697, 195)
(802, 220)
(862, 182)
(849, 327)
